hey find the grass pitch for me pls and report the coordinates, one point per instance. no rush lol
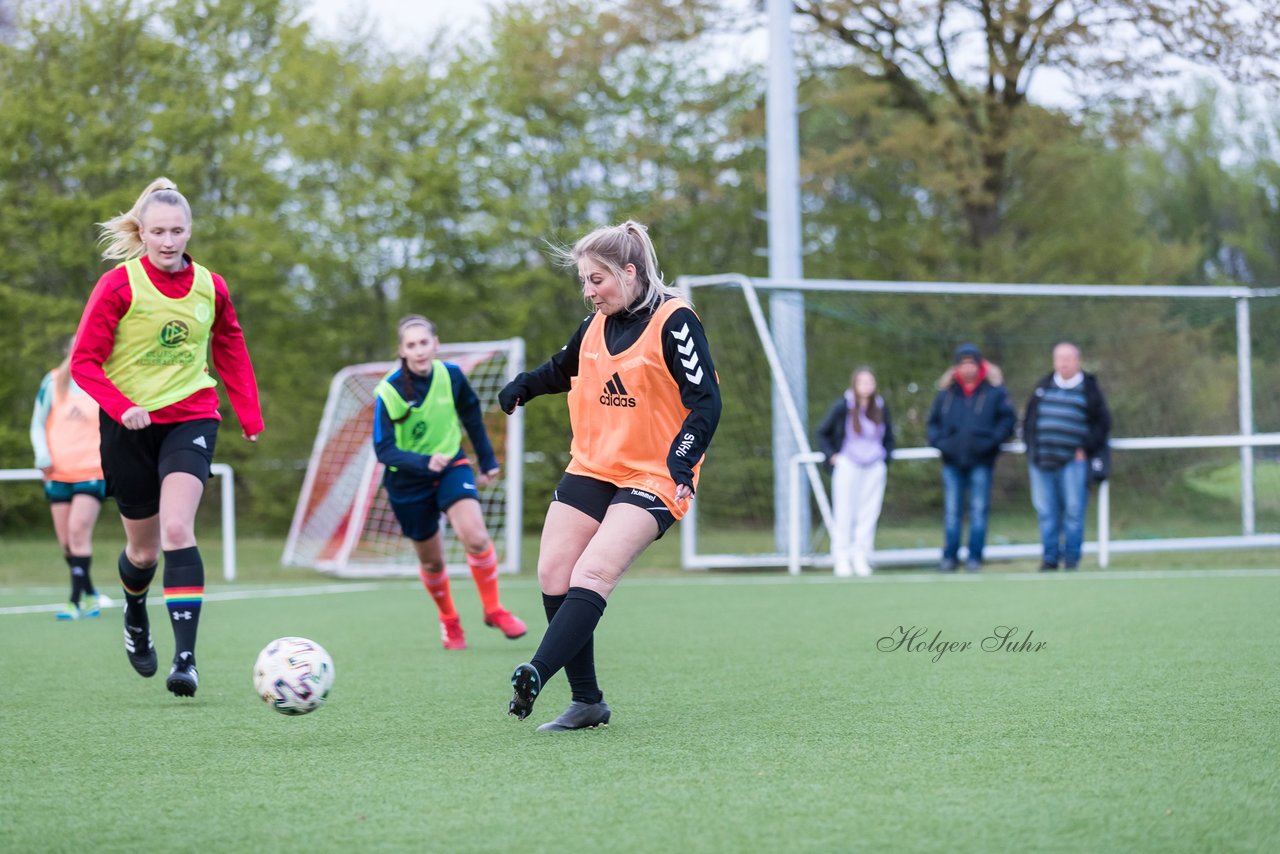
(751, 713)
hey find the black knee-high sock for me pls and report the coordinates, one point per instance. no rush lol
(135, 580)
(183, 595)
(83, 561)
(78, 577)
(570, 630)
(581, 669)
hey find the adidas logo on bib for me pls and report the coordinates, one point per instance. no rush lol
(615, 394)
(199, 440)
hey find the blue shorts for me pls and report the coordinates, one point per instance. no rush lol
(60, 492)
(419, 518)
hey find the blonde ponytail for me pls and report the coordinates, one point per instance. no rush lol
(122, 235)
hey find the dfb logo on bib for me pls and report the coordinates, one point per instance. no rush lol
(174, 333)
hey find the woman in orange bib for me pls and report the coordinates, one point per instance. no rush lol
(64, 435)
(644, 402)
(142, 352)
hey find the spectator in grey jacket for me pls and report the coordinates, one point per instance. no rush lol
(970, 418)
(1066, 423)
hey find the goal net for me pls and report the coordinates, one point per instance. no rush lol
(343, 523)
(1195, 454)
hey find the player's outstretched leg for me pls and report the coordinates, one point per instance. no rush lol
(581, 669)
(137, 627)
(572, 627)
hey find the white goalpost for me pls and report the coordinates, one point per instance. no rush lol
(343, 523)
(1194, 473)
(226, 499)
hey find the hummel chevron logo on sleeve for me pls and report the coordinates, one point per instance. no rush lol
(686, 349)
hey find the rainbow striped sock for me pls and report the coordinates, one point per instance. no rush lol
(184, 595)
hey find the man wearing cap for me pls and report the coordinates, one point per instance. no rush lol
(970, 418)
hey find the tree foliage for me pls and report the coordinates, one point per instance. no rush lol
(337, 184)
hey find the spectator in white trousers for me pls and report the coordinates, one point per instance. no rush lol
(856, 436)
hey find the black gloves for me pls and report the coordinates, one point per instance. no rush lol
(513, 394)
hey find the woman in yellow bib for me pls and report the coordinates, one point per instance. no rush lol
(64, 434)
(416, 435)
(644, 402)
(142, 352)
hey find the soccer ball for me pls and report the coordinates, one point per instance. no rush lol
(293, 675)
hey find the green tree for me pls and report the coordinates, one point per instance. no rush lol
(961, 70)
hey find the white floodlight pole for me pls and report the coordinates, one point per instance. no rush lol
(1244, 368)
(786, 308)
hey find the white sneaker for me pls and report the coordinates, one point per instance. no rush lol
(860, 566)
(843, 569)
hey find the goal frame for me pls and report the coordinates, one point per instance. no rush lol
(371, 481)
(805, 460)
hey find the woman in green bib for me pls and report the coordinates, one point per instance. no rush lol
(416, 435)
(142, 352)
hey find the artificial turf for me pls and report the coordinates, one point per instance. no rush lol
(751, 713)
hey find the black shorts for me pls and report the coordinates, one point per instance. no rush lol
(136, 461)
(594, 497)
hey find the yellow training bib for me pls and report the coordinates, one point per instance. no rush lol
(161, 351)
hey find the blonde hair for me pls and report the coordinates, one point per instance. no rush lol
(123, 234)
(616, 246)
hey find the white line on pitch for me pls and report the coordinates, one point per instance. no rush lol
(730, 581)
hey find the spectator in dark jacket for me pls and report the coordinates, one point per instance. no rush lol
(970, 418)
(1066, 423)
(856, 436)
